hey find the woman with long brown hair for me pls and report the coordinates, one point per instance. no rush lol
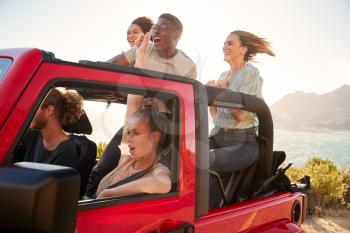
(233, 139)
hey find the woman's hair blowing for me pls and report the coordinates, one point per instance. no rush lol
(254, 44)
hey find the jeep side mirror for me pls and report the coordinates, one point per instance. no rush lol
(38, 198)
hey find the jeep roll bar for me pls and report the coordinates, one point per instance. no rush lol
(212, 96)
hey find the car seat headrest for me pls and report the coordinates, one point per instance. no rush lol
(82, 126)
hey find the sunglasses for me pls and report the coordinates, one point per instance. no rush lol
(162, 28)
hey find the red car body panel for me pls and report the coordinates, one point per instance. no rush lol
(250, 214)
(282, 226)
(25, 63)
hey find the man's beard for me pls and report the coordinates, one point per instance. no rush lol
(39, 121)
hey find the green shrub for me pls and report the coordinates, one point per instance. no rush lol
(327, 186)
(101, 147)
(327, 182)
(346, 181)
(295, 174)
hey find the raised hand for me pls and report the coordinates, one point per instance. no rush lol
(222, 83)
(141, 44)
(211, 83)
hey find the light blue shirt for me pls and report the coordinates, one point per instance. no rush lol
(246, 80)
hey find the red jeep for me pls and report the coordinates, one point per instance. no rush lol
(45, 198)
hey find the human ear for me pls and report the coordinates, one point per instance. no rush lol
(177, 36)
(50, 110)
(155, 137)
(244, 50)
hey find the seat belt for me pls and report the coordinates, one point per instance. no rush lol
(128, 179)
(131, 178)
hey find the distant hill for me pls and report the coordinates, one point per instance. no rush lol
(301, 110)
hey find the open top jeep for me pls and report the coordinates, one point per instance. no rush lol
(45, 198)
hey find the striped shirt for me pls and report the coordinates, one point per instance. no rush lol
(246, 80)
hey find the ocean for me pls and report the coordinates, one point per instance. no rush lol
(301, 145)
(298, 145)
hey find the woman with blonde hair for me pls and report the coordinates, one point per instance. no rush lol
(233, 139)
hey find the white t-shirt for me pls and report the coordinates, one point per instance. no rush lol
(180, 64)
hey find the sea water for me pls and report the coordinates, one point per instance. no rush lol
(302, 145)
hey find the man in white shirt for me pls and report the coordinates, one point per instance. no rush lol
(162, 55)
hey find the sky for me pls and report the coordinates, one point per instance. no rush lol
(311, 38)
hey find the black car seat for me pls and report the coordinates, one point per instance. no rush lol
(108, 161)
(86, 148)
(236, 185)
